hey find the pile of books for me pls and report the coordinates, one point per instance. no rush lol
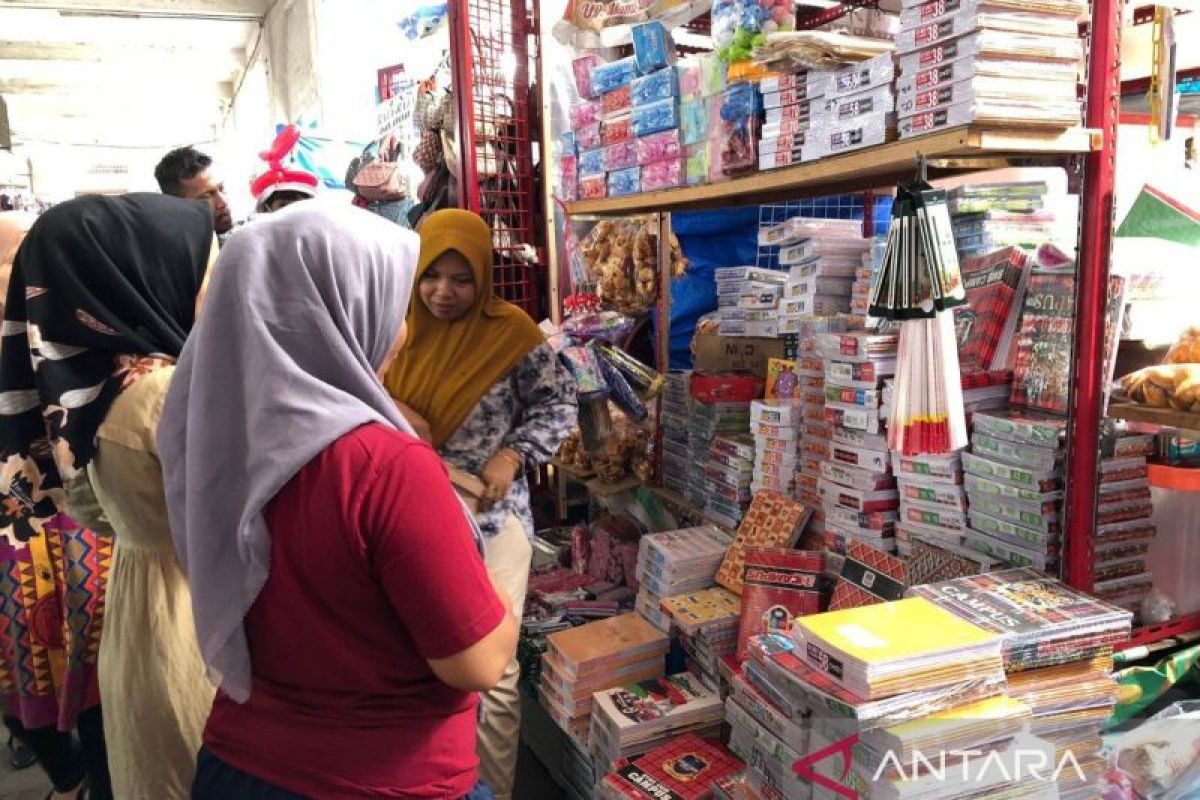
(1004, 62)
(775, 425)
(674, 421)
(860, 292)
(793, 104)
(707, 624)
(748, 300)
(676, 562)
(706, 422)
(631, 720)
(857, 491)
(728, 478)
(991, 217)
(600, 655)
(986, 326)
(686, 768)
(1014, 486)
(822, 265)
(1057, 652)
(859, 109)
(1124, 525)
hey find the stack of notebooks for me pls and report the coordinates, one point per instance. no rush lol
(706, 422)
(593, 657)
(1014, 487)
(930, 485)
(792, 103)
(631, 720)
(775, 425)
(860, 293)
(707, 623)
(728, 477)
(686, 768)
(986, 326)
(748, 300)
(674, 422)
(676, 562)
(820, 277)
(1000, 62)
(1058, 654)
(1124, 525)
(859, 109)
(859, 501)
(767, 730)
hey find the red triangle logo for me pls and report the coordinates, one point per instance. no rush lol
(804, 767)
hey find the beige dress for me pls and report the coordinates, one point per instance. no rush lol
(153, 689)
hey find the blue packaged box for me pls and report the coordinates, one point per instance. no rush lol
(660, 85)
(613, 75)
(654, 117)
(591, 162)
(570, 145)
(624, 181)
(651, 47)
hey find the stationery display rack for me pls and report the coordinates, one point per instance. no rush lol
(1088, 153)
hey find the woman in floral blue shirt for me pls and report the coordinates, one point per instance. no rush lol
(478, 379)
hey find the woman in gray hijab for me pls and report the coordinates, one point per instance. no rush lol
(340, 599)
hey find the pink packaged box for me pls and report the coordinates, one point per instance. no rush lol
(588, 136)
(568, 177)
(618, 101)
(616, 130)
(661, 146)
(584, 113)
(593, 187)
(621, 155)
(582, 68)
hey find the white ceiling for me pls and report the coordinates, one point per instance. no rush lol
(123, 73)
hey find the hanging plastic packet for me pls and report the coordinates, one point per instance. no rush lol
(581, 362)
(645, 381)
(621, 393)
(937, 238)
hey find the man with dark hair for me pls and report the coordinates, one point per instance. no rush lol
(186, 172)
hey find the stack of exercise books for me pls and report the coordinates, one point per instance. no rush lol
(673, 418)
(775, 425)
(1057, 650)
(676, 562)
(683, 769)
(600, 655)
(633, 719)
(1124, 525)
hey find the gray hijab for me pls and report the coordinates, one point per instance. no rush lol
(301, 311)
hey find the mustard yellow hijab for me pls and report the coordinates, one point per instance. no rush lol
(446, 368)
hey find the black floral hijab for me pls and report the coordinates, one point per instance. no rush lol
(102, 289)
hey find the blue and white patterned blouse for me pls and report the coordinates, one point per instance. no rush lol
(531, 410)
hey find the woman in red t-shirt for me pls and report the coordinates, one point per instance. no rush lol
(340, 599)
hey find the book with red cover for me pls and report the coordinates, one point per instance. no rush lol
(985, 326)
(773, 520)
(869, 576)
(1042, 373)
(778, 585)
(683, 769)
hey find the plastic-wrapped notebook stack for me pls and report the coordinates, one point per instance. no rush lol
(992, 216)
(1000, 62)
(915, 685)
(706, 422)
(1124, 524)
(855, 482)
(600, 655)
(775, 425)
(1058, 655)
(793, 104)
(859, 109)
(1014, 487)
(860, 292)
(822, 257)
(748, 300)
(707, 623)
(674, 418)
(676, 562)
(728, 478)
(686, 768)
(633, 719)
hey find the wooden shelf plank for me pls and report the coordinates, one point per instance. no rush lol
(872, 168)
(1164, 417)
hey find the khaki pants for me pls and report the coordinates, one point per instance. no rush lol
(508, 556)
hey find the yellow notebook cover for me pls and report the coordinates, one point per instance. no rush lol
(993, 708)
(888, 632)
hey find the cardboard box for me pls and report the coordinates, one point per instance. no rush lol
(714, 353)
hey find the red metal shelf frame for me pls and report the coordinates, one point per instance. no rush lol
(493, 44)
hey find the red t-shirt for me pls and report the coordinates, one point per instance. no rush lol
(373, 572)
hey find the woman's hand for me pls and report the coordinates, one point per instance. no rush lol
(419, 425)
(498, 476)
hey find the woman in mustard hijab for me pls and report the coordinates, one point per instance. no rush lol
(478, 379)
